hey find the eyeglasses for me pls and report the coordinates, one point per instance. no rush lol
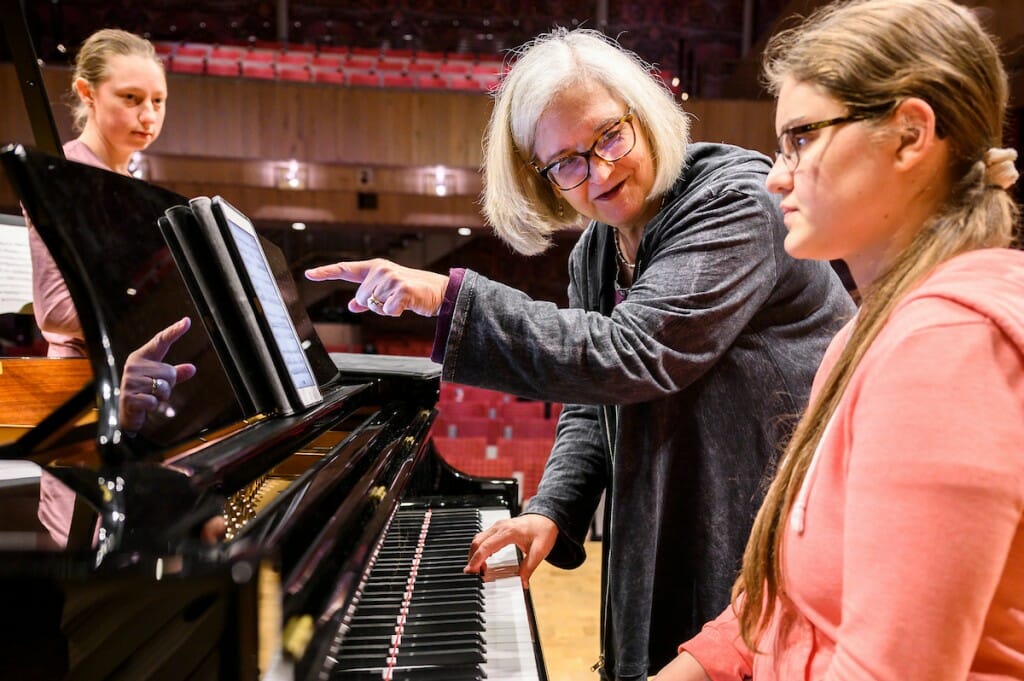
(793, 139)
(569, 172)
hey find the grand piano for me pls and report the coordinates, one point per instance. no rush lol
(339, 533)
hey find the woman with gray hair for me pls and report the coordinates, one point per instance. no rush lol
(690, 340)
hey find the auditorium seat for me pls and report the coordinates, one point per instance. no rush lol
(363, 79)
(222, 67)
(454, 410)
(293, 58)
(186, 64)
(528, 457)
(263, 70)
(459, 450)
(474, 426)
(397, 81)
(293, 73)
(431, 82)
(327, 75)
(531, 428)
(508, 411)
(193, 50)
(332, 61)
(226, 52)
(464, 82)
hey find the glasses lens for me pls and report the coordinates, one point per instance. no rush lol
(616, 142)
(787, 150)
(569, 172)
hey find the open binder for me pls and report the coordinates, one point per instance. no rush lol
(226, 270)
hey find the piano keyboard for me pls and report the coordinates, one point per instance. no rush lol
(420, 618)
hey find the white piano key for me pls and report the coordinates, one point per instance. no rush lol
(509, 638)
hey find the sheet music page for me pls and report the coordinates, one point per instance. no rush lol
(15, 268)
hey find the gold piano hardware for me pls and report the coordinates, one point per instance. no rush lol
(242, 506)
(377, 494)
(296, 636)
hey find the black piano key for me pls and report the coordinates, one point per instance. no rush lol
(449, 657)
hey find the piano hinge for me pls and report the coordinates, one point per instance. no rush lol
(599, 665)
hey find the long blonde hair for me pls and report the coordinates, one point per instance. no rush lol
(523, 208)
(92, 64)
(870, 55)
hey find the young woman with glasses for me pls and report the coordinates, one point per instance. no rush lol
(891, 542)
(690, 341)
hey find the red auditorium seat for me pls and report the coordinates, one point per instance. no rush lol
(293, 58)
(187, 64)
(293, 73)
(398, 81)
(464, 83)
(391, 65)
(456, 67)
(520, 410)
(364, 79)
(474, 426)
(227, 53)
(431, 83)
(528, 457)
(193, 50)
(525, 427)
(457, 451)
(328, 75)
(222, 67)
(327, 60)
(263, 70)
(261, 55)
(454, 410)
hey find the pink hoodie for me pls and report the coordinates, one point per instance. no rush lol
(908, 561)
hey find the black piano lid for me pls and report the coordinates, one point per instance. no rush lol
(101, 229)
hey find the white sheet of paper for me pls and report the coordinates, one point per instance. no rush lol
(15, 269)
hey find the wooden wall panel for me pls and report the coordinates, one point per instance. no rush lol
(250, 119)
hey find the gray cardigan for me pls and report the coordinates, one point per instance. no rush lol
(678, 399)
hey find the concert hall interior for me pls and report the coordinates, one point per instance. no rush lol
(350, 131)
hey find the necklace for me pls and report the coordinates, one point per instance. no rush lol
(618, 254)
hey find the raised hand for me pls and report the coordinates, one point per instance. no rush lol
(147, 382)
(387, 288)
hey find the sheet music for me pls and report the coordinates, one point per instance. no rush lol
(15, 268)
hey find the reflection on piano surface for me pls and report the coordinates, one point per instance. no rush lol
(336, 518)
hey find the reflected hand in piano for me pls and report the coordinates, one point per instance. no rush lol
(148, 382)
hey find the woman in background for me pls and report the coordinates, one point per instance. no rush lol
(120, 93)
(891, 544)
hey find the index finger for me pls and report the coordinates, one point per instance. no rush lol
(157, 346)
(482, 547)
(354, 271)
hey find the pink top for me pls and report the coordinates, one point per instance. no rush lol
(910, 563)
(54, 311)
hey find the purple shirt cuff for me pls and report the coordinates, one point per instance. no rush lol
(445, 314)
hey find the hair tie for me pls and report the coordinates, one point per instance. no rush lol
(999, 169)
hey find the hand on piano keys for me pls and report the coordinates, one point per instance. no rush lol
(534, 534)
(421, 617)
